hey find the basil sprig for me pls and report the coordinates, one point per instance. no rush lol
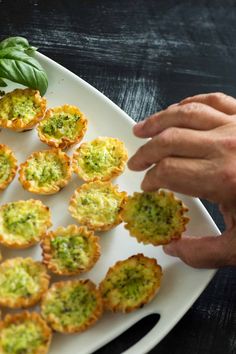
(18, 65)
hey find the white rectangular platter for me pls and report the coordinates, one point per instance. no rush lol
(181, 284)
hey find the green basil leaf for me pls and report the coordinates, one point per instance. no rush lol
(14, 42)
(2, 83)
(19, 67)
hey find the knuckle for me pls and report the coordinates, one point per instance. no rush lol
(228, 143)
(228, 177)
(216, 97)
(189, 109)
(164, 167)
(168, 136)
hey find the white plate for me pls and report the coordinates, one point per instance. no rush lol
(181, 284)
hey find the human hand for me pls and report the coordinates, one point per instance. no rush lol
(192, 150)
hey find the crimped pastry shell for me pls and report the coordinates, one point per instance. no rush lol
(157, 238)
(19, 124)
(89, 220)
(112, 302)
(104, 174)
(18, 243)
(64, 142)
(56, 186)
(55, 323)
(23, 316)
(13, 162)
(27, 301)
(51, 262)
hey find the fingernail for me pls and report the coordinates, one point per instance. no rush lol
(170, 249)
(139, 125)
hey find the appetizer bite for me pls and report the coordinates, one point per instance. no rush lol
(23, 223)
(72, 306)
(21, 109)
(24, 332)
(23, 282)
(8, 166)
(62, 126)
(101, 159)
(97, 205)
(155, 217)
(70, 250)
(45, 172)
(131, 283)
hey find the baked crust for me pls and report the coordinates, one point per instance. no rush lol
(11, 115)
(155, 217)
(97, 205)
(81, 299)
(131, 283)
(69, 131)
(7, 174)
(45, 172)
(102, 159)
(18, 320)
(71, 250)
(23, 223)
(23, 282)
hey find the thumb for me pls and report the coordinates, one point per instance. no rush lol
(200, 252)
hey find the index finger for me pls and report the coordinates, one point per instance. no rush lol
(192, 115)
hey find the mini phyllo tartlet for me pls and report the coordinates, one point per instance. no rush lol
(24, 332)
(72, 306)
(23, 223)
(131, 283)
(101, 159)
(97, 205)
(8, 166)
(62, 126)
(21, 109)
(155, 217)
(23, 282)
(45, 172)
(70, 250)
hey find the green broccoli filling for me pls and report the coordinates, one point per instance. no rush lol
(154, 215)
(61, 125)
(23, 107)
(99, 158)
(19, 280)
(45, 169)
(5, 167)
(72, 306)
(98, 204)
(22, 219)
(21, 338)
(131, 283)
(70, 251)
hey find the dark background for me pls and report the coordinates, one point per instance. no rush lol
(145, 55)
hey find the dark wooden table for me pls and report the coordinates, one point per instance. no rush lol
(145, 55)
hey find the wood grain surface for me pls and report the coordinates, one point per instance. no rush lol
(145, 55)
